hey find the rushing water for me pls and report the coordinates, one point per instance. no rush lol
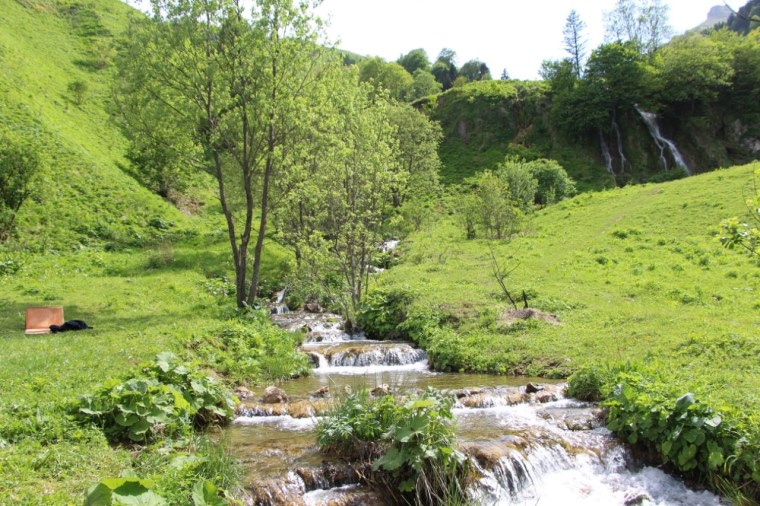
(529, 444)
(650, 119)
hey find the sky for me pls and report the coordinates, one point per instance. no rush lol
(516, 35)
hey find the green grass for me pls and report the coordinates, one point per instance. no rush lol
(633, 274)
(140, 302)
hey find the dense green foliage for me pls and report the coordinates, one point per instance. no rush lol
(167, 398)
(250, 347)
(643, 406)
(19, 169)
(410, 441)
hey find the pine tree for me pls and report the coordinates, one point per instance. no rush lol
(575, 44)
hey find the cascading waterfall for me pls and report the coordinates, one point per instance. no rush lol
(527, 443)
(606, 156)
(279, 306)
(650, 119)
(619, 138)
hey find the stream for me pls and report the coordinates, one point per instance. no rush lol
(529, 443)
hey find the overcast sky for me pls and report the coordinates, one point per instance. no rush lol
(516, 35)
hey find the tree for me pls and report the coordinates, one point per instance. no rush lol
(694, 69)
(642, 22)
(499, 216)
(475, 70)
(445, 69)
(340, 203)
(504, 75)
(424, 85)
(20, 166)
(388, 76)
(417, 157)
(575, 45)
(241, 86)
(78, 90)
(554, 184)
(522, 184)
(414, 60)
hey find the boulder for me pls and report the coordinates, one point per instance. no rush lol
(322, 392)
(274, 395)
(242, 393)
(530, 388)
(380, 390)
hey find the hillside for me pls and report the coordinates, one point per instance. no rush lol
(633, 274)
(85, 196)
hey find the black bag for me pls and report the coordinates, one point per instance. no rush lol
(69, 325)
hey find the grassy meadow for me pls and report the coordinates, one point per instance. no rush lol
(634, 274)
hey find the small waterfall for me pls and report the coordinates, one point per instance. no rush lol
(397, 355)
(279, 306)
(606, 156)
(650, 119)
(388, 245)
(619, 138)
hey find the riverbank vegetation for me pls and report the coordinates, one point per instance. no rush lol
(166, 203)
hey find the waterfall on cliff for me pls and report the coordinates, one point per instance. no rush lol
(606, 154)
(650, 119)
(619, 138)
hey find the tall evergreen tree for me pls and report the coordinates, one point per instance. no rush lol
(575, 44)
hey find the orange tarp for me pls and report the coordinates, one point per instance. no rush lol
(39, 319)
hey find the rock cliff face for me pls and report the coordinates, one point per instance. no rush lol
(486, 121)
(717, 14)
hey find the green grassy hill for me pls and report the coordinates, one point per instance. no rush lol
(633, 274)
(84, 196)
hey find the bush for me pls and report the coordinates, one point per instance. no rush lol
(19, 167)
(382, 313)
(250, 348)
(681, 431)
(412, 444)
(586, 384)
(164, 399)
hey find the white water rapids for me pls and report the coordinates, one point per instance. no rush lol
(530, 446)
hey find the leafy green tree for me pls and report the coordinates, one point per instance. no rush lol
(694, 69)
(641, 22)
(388, 76)
(522, 183)
(475, 70)
(575, 44)
(20, 166)
(242, 86)
(334, 214)
(424, 85)
(78, 90)
(414, 60)
(554, 184)
(445, 69)
(418, 140)
(499, 216)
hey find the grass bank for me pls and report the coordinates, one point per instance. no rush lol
(171, 296)
(635, 276)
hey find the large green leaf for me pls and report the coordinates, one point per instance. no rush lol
(123, 491)
(206, 493)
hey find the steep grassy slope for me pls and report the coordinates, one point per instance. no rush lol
(45, 46)
(633, 274)
(146, 276)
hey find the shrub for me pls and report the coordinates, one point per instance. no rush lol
(681, 431)
(586, 384)
(412, 443)
(19, 168)
(166, 398)
(382, 313)
(250, 348)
